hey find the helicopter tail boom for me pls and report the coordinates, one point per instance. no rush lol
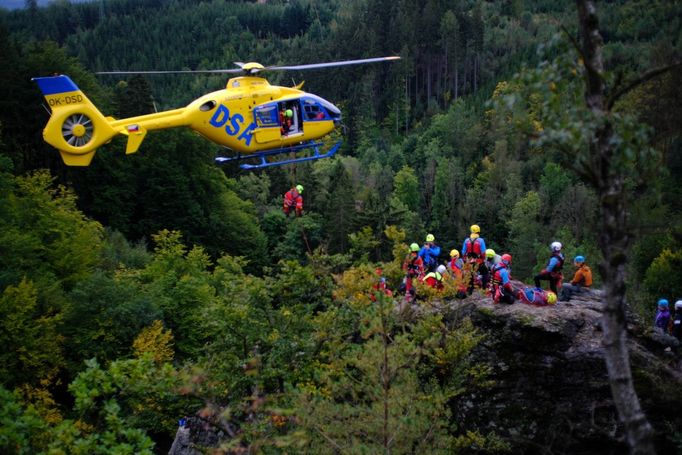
(76, 127)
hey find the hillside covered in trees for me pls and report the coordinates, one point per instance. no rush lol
(153, 286)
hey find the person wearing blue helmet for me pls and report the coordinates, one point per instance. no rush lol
(662, 320)
(581, 282)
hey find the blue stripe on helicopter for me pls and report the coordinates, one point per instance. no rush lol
(55, 84)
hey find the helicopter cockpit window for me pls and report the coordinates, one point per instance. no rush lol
(266, 116)
(314, 110)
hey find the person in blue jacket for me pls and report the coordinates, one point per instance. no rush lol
(429, 253)
(552, 271)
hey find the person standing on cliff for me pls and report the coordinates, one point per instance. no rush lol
(662, 320)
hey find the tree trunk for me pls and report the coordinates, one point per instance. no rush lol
(613, 239)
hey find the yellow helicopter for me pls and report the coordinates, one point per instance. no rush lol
(249, 116)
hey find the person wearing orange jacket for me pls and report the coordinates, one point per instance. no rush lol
(293, 201)
(581, 282)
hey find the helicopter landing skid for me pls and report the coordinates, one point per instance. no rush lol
(296, 148)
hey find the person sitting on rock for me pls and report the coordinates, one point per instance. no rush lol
(581, 282)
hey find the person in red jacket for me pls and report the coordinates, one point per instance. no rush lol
(435, 279)
(293, 201)
(380, 287)
(414, 270)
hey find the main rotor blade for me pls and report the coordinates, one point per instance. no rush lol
(253, 68)
(330, 64)
(222, 71)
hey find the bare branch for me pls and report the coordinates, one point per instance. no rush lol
(573, 41)
(647, 76)
(328, 439)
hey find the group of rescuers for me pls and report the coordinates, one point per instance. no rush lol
(476, 267)
(480, 267)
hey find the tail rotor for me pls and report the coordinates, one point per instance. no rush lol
(77, 130)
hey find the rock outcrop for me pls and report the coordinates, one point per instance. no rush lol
(550, 392)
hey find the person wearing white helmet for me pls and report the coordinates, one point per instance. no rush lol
(677, 320)
(435, 279)
(552, 271)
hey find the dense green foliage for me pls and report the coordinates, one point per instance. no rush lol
(145, 287)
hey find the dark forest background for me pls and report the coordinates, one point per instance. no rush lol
(143, 287)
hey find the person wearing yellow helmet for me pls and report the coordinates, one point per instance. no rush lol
(473, 249)
(456, 264)
(491, 259)
(286, 118)
(429, 253)
(293, 201)
(413, 266)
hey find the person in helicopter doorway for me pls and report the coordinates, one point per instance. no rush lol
(581, 282)
(286, 118)
(473, 250)
(293, 201)
(552, 271)
(429, 253)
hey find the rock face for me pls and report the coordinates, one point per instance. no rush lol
(551, 392)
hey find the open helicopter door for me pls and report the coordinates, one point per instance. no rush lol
(268, 123)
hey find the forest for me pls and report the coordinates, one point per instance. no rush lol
(150, 287)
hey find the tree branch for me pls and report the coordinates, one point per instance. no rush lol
(647, 76)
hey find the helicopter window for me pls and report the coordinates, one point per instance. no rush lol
(207, 106)
(266, 115)
(314, 110)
